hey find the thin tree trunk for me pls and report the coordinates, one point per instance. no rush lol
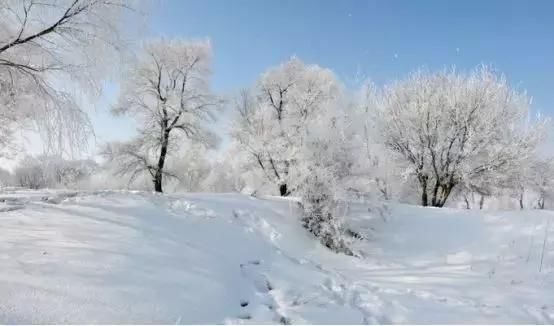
(541, 202)
(545, 241)
(467, 202)
(442, 196)
(423, 183)
(521, 200)
(435, 201)
(481, 202)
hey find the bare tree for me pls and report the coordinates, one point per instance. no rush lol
(168, 92)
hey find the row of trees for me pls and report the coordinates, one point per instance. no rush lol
(298, 131)
(448, 132)
(301, 132)
(53, 171)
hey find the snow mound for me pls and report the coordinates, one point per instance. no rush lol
(133, 257)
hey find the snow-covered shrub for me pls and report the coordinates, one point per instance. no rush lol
(52, 171)
(31, 174)
(320, 207)
(321, 178)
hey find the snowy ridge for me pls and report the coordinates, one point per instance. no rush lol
(133, 257)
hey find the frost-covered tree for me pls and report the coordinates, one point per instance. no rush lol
(45, 44)
(271, 117)
(168, 93)
(6, 178)
(294, 127)
(190, 166)
(451, 126)
(225, 175)
(540, 180)
(379, 174)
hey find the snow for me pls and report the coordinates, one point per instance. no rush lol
(135, 257)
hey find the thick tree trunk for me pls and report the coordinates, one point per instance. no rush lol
(283, 191)
(158, 177)
(441, 192)
(158, 182)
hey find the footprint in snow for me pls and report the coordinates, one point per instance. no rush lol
(251, 271)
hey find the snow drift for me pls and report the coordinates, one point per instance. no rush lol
(131, 257)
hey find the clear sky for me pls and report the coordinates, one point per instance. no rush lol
(379, 40)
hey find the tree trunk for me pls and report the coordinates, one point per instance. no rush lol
(541, 202)
(441, 192)
(423, 182)
(435, 201)
(521, 201)
(161, 162)
(283, 191)
(158, 182)
(481, 202)
(446, 191)
(467, 202)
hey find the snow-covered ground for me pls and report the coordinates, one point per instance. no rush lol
(124, 257)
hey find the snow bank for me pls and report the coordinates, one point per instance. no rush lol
(131, 257)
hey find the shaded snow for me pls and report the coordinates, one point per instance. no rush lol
(124, 257)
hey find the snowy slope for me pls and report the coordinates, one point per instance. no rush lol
(123, 257)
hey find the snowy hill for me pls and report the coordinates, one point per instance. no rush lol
(123, 257)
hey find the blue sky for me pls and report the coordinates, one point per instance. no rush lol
(380, 40)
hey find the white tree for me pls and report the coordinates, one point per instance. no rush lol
(6, 178)
(190, 166)
(294, 126)
(379, 173)
(540, 180)
(225, 174)
(451, 127)
(168, 93)
(31, 174)
(274, 113)
(44, 44)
